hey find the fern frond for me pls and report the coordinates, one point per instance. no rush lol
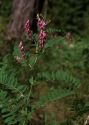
(9, 82)
(13, 99)
(54, 95)
(65, 77)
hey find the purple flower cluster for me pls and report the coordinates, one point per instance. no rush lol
(27, 29)
(27, 26)
(42, 38)
(41, 23)
(42, 35)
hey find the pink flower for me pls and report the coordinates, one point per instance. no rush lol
(27, 26)
(41, 23)
(27, 29)
(42, 38)
(42, 35)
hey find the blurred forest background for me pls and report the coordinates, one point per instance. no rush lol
(66, 15)
(69, 15)
(65, 64)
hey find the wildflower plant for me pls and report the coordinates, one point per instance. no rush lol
(37, 40)
(17, 101)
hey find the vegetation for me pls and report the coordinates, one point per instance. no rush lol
(45, 81)
(70, 15)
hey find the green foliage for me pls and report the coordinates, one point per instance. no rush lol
(54, 95)
(69, 15)
(5, 8)
(69, 81)
(17, 103)
(62, 67)
(15, 98)
(53, 119)
(68, 66)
